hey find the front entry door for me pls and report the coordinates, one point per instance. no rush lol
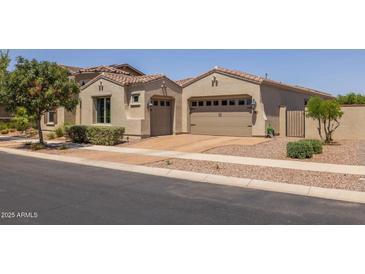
(161, 117)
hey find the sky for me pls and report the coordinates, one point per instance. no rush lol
(333, 71)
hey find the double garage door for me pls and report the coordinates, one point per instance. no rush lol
(226, 116)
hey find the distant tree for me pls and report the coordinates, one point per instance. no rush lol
(4, 63)
(351, 99)
(327, 113)
(39, 87)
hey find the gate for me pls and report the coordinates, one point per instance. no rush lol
(295, 123)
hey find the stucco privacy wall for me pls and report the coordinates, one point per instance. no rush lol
(273, 98)
(226, 85)
(351, 124)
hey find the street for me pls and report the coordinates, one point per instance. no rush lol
(35, 191)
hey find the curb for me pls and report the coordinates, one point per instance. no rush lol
(308, 191)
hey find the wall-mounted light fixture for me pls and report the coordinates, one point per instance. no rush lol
(214, 81)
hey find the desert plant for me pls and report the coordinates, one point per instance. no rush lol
(299, 149)
(316, 145)
(270, 131)
(37, 146)
(51, 136)
(5, 131)
(60, 131)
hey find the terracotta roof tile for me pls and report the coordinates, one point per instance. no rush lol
(183, 81)
(104, 69)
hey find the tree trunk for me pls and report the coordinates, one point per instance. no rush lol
(320, 128)
(40, 133)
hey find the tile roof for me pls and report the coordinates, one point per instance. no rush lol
(257, 79)
(183, 81)
(126, 80)
(104, 69)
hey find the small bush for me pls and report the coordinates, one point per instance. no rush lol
(78, 134)
(97, 135)
(5, 131)
(270, 130)
(51, 136)
(60, 131)
(3, 125)
(316, 145)
(36, 146)
(12, 130)
(107, 136)
(299, 149)
(66, 127)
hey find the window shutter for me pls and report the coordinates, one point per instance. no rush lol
(55, 117)
(45, 118)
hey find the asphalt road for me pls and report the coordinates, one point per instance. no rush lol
(35, 191)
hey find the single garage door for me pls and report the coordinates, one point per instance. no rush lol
(226, 117)
(161, 117)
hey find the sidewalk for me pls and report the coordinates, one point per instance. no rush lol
(310, 191)
(288, 164)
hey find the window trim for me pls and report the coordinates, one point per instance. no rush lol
(105, 110)
(48, 117)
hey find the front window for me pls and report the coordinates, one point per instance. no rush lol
(103, 111)
(136, 98)
(51, 117)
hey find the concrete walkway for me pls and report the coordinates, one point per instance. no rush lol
(299, 165)
(309, 191)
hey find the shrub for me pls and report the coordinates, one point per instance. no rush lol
(3, 125)
(270, 130)
(78, 134)
(108, 136)
(5, 131)
(97, 135)
(51, 136)
(60, 131)
(299, 149)
(12, 129)
(66, 127)
(316, 145)
(22, 120)
(36, 146)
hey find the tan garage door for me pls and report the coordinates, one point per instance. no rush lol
(227, 117)
(161, 117)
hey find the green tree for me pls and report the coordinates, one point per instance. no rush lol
(351, 99)
(327, 113)
(314, 111)
(4, 63)
(39, 87)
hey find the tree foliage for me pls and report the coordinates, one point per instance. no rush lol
(39, 87)
(351, 98)
(327, 113)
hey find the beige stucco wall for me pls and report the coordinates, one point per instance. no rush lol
(351, 124)
(135, 117)
(274, 97)
(171, 91)
(227, 85)
(63, 116)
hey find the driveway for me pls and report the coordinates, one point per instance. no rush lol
(59, 193)
(193, 143)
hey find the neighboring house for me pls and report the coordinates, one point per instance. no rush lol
(218, 102)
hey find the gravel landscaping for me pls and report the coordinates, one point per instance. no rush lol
(343, 152)
(310, 178)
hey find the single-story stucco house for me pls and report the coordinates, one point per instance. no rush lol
(218, 102)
